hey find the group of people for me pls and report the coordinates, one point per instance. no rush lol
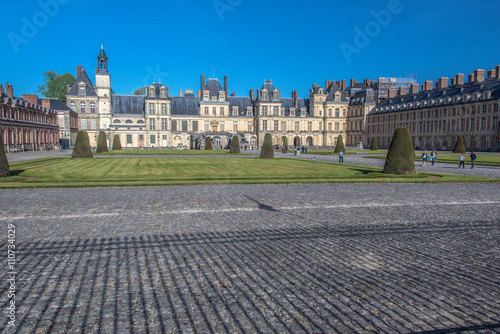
(432, 158)
(296, 150)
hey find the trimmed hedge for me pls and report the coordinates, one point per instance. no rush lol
(208, 144)
(117, 145)
(4, 163)
(374, 146)
(102, 146)
(235, 145)
(82, 147)
(267, 148)
(459, 146)
(401, 156)
(285, 142)
(340, 145)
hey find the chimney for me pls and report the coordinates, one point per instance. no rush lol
(353, 82)
(427, 85)
(294, 97)
(233, 94)
(491, 73)
(252, 95)
(225, 86)
(342, 85)
(180, 92)
(78, 70)
(202, 82)
(46, 103)
(478, 75)
(1, 90)
(497, 74)
(442, 83)
(199, 93)
(402, 91)
(10, 90)
(269, 81)
(392, 93)
(459, 79)
(328, 84)
(471, 77)
(414, 88)
(453, 81)
(31, 98)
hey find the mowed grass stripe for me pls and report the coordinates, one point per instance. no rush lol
(64, 172)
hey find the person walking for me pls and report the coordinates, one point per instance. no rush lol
(472, 159)
(462, 160)
(341, 157)
(433, 157)
(424, 158)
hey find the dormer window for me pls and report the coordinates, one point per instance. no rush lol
(337, 97)
(222, 96)
(163, 92)
(235, 111)
(486, 95)
(264, 95)
(249, 111)
(152, 92)
(82, 89)
(276, 95)
(303, 112)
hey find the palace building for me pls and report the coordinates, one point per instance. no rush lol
(158, 119)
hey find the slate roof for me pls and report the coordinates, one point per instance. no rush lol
(331, 93)
(127, 104)
(213, 85)
(288, 103)
(102, 54)
(185, 106)
(55, 104)
(157, 87)
(85, 78)
(241, 102)
(362, 97)
(391, 105)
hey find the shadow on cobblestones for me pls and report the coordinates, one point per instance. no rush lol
(321, 278)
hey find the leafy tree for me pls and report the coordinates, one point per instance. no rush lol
(82, 147)
(102, 146)
(208, 144)
(140, 91)
(4, 163)
(340, 145)
(459, 146)
(374, 144)
(235, 145)
(267, 148)
(55, 85)
(117, 145)
(401, 156)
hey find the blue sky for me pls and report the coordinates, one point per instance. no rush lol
(294, 43)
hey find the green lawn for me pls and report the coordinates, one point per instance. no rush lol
(173, 152)
(81, 172)
(485, 159)
(330, 152)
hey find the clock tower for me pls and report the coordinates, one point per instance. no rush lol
(103, 89)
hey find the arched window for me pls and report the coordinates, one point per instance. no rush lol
(82, 107)
(140, 121)
(116, 121)
(128, 121)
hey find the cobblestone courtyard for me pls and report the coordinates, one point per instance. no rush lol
(336, 258)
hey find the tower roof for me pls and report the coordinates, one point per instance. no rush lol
(102, 54)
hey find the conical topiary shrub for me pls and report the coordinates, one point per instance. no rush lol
(401, 156)
(340, 145)
(208, 144)
(267, 148)
(117, 145)
(82, 146)
(285, 142)
(374, 144)
(235, 145)
(102, 146)
(459, 146)
(4, 163)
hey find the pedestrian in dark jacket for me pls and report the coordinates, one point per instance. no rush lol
(472, 159)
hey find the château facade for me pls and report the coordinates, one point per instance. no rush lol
(158, 119)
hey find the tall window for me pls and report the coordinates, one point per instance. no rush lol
(235, 127)
(82, 107)
(214, 111)
(276, 125)
(195, 125)
(93, 124)
(221, 109)
(129, 139)
(82, 89)
(283, 126)
(164, 109)
(207, 126)
(473, 110)
(330, 112)
(297, 128)
(151, 92)
(485, 108)
(462, 124)
(152, 139)
(276, 110)
(336, 127)
(164, 124)
(483, 123)
(309, 126)
(222, 127)
(174, 125)
(83, 124)
(184, 125)
(264, 125)
(92, 107)
(151, 124)
(249, 127)
(151, 108)
(337, 112)
(72, 105)
(206, 110)
(472, 124)
(473, 141)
